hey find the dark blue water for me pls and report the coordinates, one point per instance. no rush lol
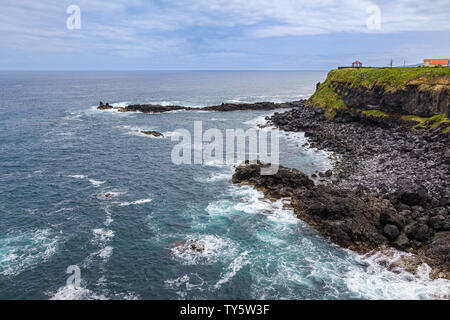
(60, 157)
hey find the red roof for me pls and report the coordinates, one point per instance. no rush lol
(356, 61)
(438, 61)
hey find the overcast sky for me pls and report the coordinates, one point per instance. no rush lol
(221, 34)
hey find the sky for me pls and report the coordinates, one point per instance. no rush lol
(220, 34)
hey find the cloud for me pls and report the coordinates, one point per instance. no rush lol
(189, 28)
(268, 18)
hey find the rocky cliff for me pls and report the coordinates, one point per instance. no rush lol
(422, 92)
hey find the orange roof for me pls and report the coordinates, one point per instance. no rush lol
(436, 60)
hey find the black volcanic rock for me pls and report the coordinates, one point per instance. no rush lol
(153, 133)
(224, 107)
(347, 218)
(102, 106)
(398, 175)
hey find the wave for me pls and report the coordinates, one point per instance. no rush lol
(137, 131)
(102, 235)
(212, 247)
(185, 283)
(268, 98)
(69, 292)
(78, 176)
(19, 252)
(260, 120)
(214, 177)
(246, 200)
(137, 202)
(236, 265)
(295, 255)
(94, 182)
(105, 252)
(72, 117)
(110, 194)
(386, 278)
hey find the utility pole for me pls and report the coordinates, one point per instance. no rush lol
(390, 63)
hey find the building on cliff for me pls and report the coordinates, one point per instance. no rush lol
(356, 64)
(436, 62)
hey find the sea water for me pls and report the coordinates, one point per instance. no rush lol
(83, 187)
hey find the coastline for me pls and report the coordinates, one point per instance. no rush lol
(387, 190)
(384, 192)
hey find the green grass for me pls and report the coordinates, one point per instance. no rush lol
(374, 113)
(390, 78)
(428, 123)
(327, 99)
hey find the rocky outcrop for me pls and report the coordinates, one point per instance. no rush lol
(388, 165)
(151, 108)
(357, 220)
(153, 133)
(349, 218)
(224, 107)
(102, 106)
(422, 92)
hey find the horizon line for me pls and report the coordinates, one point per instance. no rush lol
(165, 70)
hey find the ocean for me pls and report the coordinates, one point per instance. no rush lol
(82, 187)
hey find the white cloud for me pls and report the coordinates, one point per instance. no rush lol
(270, 18)
(158, 26)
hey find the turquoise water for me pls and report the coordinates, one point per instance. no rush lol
(60, 157)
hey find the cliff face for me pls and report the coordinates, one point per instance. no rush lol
(409, 91)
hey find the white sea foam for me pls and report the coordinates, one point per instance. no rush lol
(96, 183)
(19, 252)
(121, 104)
(137, 202)
(69, 292)
(377, 282)
(105, 252)
(214, 177)
(109, 218)
(269, 98)
(184, 284)
(251, 201)
(169, 134)
(260, 120)
(137, 131)
(246, 199)
(78, 176)
(219, 208)
(110, 195)
(64, 209)
(102, 235)
(234, 267)
(72, 117)
(176, 103)
(212, 247)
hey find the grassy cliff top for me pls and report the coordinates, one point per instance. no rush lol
(390, 78)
